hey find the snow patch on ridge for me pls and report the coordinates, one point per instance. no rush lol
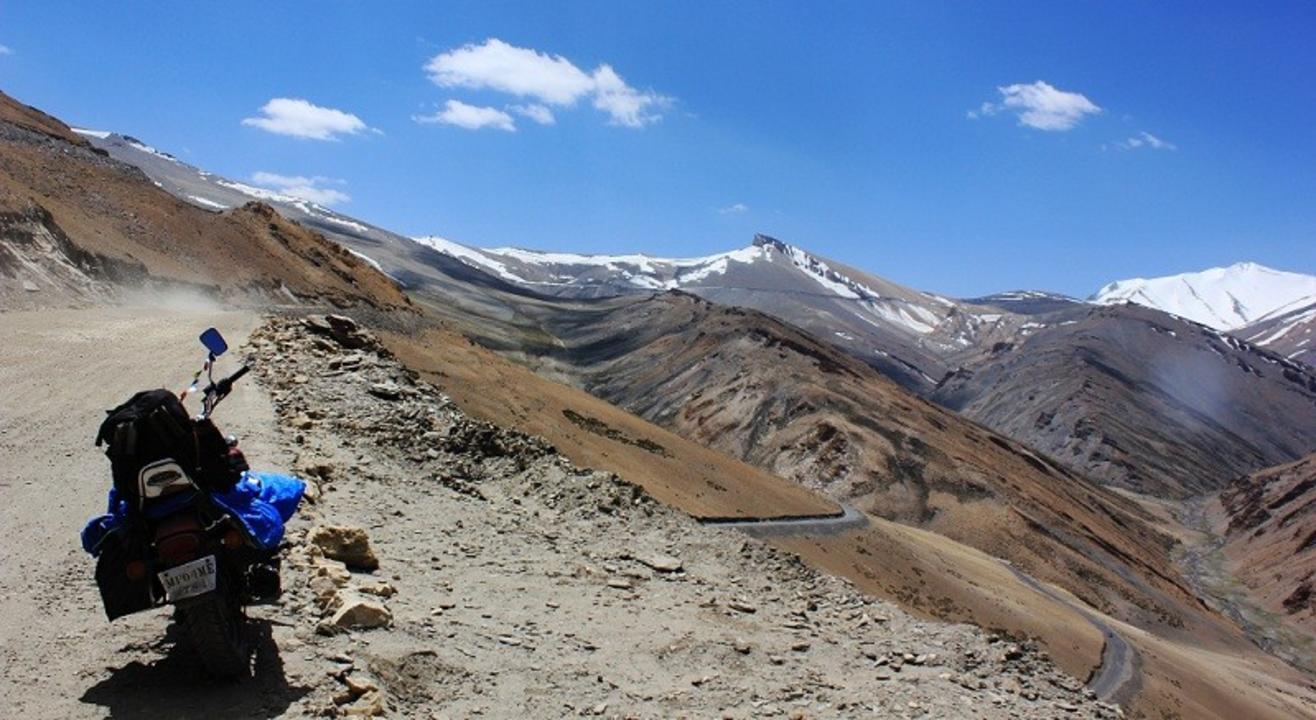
(358, 227)
(305, 206)
(638, 270)
(468, 255)
(207, 202)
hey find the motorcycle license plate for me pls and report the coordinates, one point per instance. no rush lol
(189, 579)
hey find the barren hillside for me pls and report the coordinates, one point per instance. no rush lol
(1268, 520)
(1142, 400)
(72, 218)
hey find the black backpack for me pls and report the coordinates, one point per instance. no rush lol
(155, 449)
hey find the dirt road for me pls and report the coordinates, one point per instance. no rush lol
(59, 370)
(811, 526)
(1116, 679)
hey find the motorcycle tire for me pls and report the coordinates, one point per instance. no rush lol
(216, 628)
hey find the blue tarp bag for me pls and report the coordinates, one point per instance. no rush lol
(261, 502)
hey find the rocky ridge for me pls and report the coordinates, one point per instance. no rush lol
(513, 584)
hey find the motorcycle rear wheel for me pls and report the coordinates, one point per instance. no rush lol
(216, 628)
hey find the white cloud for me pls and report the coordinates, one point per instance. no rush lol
(548, 79)
(623, 103)
(471, 117)
(735, 209)
(6, 50)
(1145, 139)
(1040, 106)
(300, 186)
(302, 119)
(536, 112)
(496, 65)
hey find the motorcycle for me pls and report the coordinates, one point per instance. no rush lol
(188, 523)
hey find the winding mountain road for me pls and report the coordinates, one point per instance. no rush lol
(807, 526)
(1115, 680)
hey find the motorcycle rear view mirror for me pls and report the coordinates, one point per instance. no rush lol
(214, 342)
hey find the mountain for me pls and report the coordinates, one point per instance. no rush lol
(517, 301)
(80, 225)
(1269, 525)
(1289, 330)
(905, 333)
(1142, 400)
(1225, 298)
(1046, 369)
(454, 286)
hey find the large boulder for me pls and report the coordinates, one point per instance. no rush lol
(349, 545)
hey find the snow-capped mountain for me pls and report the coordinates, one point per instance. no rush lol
(575, 274)
(1224, 298)
(906, 333)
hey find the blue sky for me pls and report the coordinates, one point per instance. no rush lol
(844, 128)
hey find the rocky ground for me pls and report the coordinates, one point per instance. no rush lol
(511, 584)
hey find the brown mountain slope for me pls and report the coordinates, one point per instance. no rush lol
(746, 384)
(26, 116)
(1269, 525)
(70, 216)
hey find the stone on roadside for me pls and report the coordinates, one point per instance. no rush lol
(386, 390)
(741, 606)
(325, 591)
(660, 562)
(334, 570)
(371, 705)
(341, 328)
(350, 545)
(381, 588)
(356, 612)
(359, 686)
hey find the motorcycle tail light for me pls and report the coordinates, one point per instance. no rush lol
(233, 540)
(178, 539)
(136, 570)
(178, 549)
